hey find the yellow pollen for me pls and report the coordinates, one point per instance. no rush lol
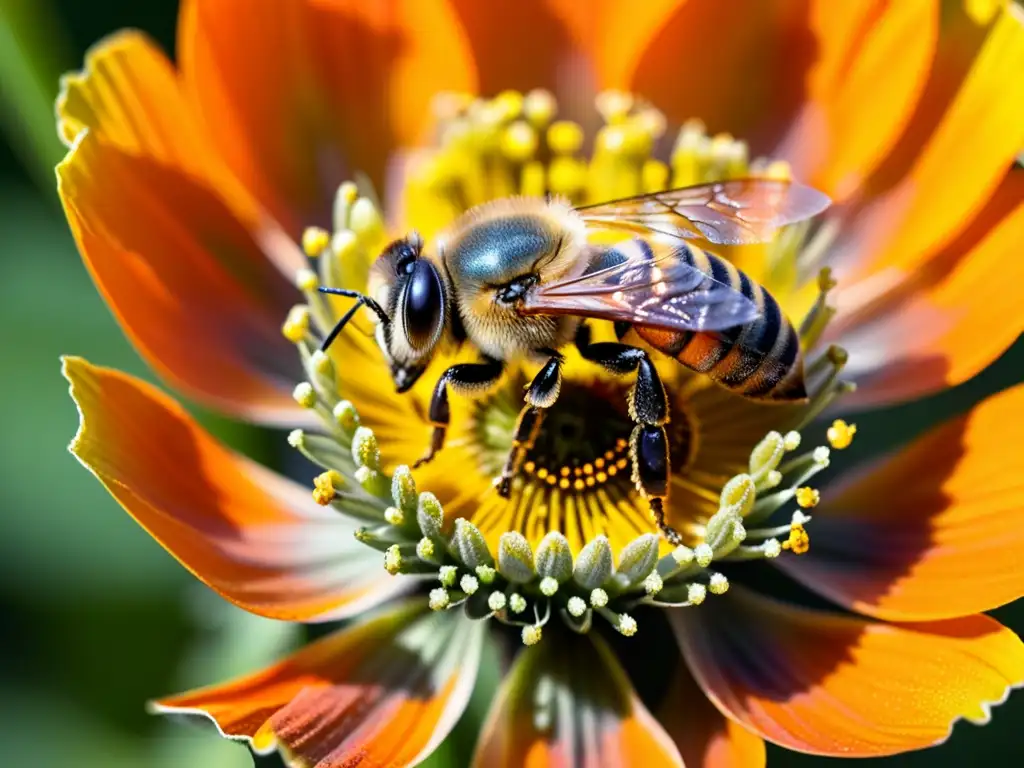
(599, 463)
(614, 106)
(798, 542)
(509, 104)
(840, 434)
(325, 487)
(564, 471)
(528, 467)
(296, 325)
(588, 468)
(589, 482)
(807, 497)
(306, 280)
(541, 473)
(565, 137)
(563, 483)
(621, 463)
(613, 471)
(602, 477)
(519, 142)
(551, 479)
(539, 107)
(579, 485)
(348, 192)
(315, 241)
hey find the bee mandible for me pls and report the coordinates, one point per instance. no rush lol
(517, 278)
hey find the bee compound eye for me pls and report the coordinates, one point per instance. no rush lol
(424, 300)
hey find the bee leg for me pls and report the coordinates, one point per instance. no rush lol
(540, 395)
(648, 407)
(465, 379)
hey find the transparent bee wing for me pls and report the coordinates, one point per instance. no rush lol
(734, 212)
(643, 283)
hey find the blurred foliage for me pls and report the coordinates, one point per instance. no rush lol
(98, 618)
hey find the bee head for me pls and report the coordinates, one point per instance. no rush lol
(411, 289)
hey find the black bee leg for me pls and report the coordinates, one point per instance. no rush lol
(540, 395)
(464, 379)
(648, 407)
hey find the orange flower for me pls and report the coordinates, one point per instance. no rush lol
(194, 191)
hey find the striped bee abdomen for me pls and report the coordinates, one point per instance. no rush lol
(760, 359)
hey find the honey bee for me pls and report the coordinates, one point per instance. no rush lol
(517, 278)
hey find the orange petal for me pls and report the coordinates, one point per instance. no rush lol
(706, 738)
(567, 702)
(869, 70)
(299, 95)
(188, 282)
(910, 333)
(972, 109)
(833, 685)
(254, 537)
(128, 93)
(129, 96)
(934, 531)
(741, 73)
(384, 691)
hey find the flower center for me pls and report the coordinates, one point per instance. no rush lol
(575, 537)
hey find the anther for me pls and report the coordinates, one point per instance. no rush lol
(532, 634)
(516, 603)
(496, 601)
(696, 593)
(703, 554)
(539, 107)
(321, 364)
(821, 456)
(718, 584)
(296, 325)
(306, 280)
(446, 575)
(469, 584)
(653, 584)
(346, 416)
(576, 607)
(598, 598)
(682, 555)
(626, 625)
(425, 549)
(304, 394)
(791, 441)
(807, 497)
(439, 599)
(314, 241)
(325, 487)
(565, 137)
(798, 542)
(840, 434)
(486, 574)
(365, 221)
(394, 516)
(772, 548)
(548, 586)
(519, 142)
(365, 451)
(393, 560)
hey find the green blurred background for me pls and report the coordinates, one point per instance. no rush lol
(96, 617)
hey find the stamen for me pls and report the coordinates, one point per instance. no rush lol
(315, 241)
(325, 486)
(840, 434)
(296, 325)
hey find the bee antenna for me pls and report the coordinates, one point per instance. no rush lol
(362, 301)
